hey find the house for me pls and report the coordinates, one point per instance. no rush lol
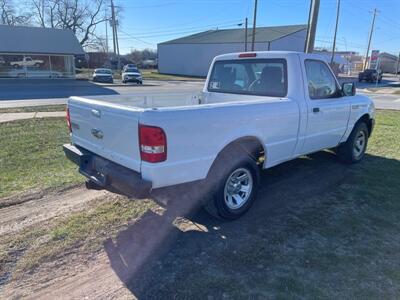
(35, 52)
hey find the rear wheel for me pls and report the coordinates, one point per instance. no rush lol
(233, 188)
(353, 150)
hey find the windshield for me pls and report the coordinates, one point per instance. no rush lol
(102, 72)
(263, 77)
(132, 70)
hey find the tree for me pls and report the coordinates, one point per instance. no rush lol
(138, 56)
(80, 16)
(9, 16)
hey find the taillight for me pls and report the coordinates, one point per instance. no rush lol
(152, 143)
(68, 117)
(248, 54)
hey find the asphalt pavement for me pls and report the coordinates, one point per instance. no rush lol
(17, 93)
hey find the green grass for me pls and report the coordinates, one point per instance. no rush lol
(31, 156)
(41, 108)
(154, 75)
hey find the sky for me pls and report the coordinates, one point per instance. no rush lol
(143, 24)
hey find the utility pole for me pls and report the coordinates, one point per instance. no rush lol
(370, 37)
(43, 24)
(115, 35)
(336, 26)
(245, 35)
(312, 24)
(398, 65)
(119, 57)
(106, 21)
(308, 27)
(113, 27)
(254, 25)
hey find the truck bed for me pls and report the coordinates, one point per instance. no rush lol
(145, 101)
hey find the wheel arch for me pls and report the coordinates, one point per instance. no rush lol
(246, 144)
(368, 120)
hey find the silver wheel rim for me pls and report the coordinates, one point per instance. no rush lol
(238, 188)
(359, 144)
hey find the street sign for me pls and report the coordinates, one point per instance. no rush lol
(373, 62)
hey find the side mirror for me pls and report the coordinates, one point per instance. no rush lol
(348, 89)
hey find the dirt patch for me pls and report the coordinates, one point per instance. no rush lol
(76, 278)
(24, 211)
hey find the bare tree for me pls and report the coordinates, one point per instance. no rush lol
(81, 16)
(9, 15)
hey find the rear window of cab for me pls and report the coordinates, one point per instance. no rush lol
(260, 77)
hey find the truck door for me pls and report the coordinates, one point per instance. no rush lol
(328, 111)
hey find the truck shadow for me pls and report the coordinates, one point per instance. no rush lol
(146, 254)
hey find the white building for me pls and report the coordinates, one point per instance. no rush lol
(193, 54)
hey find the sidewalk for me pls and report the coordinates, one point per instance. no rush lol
(7, 117)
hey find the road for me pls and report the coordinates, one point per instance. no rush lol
(42, 92)
(17, 93)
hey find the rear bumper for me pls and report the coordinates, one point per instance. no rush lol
(107, 174)
(103, 79)
(136, 80)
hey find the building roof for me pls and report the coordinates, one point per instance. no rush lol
(21, 39)
(388, 55)
(225, 36)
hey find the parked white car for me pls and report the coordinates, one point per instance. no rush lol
(27, 62)
(132, 75)
(256, 110)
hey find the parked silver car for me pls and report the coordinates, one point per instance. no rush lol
(103, 75)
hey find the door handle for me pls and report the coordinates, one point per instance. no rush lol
(315, 109)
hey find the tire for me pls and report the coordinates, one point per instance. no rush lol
(353, 150)
(221, 204)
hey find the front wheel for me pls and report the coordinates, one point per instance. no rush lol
(353, 150)
(235, 189)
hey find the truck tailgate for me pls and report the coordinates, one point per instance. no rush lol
(108, 130)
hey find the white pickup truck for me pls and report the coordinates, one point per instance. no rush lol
(257, 110)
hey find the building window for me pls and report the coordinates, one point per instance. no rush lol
(36, 66)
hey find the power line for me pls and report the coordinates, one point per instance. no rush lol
(171, 29)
